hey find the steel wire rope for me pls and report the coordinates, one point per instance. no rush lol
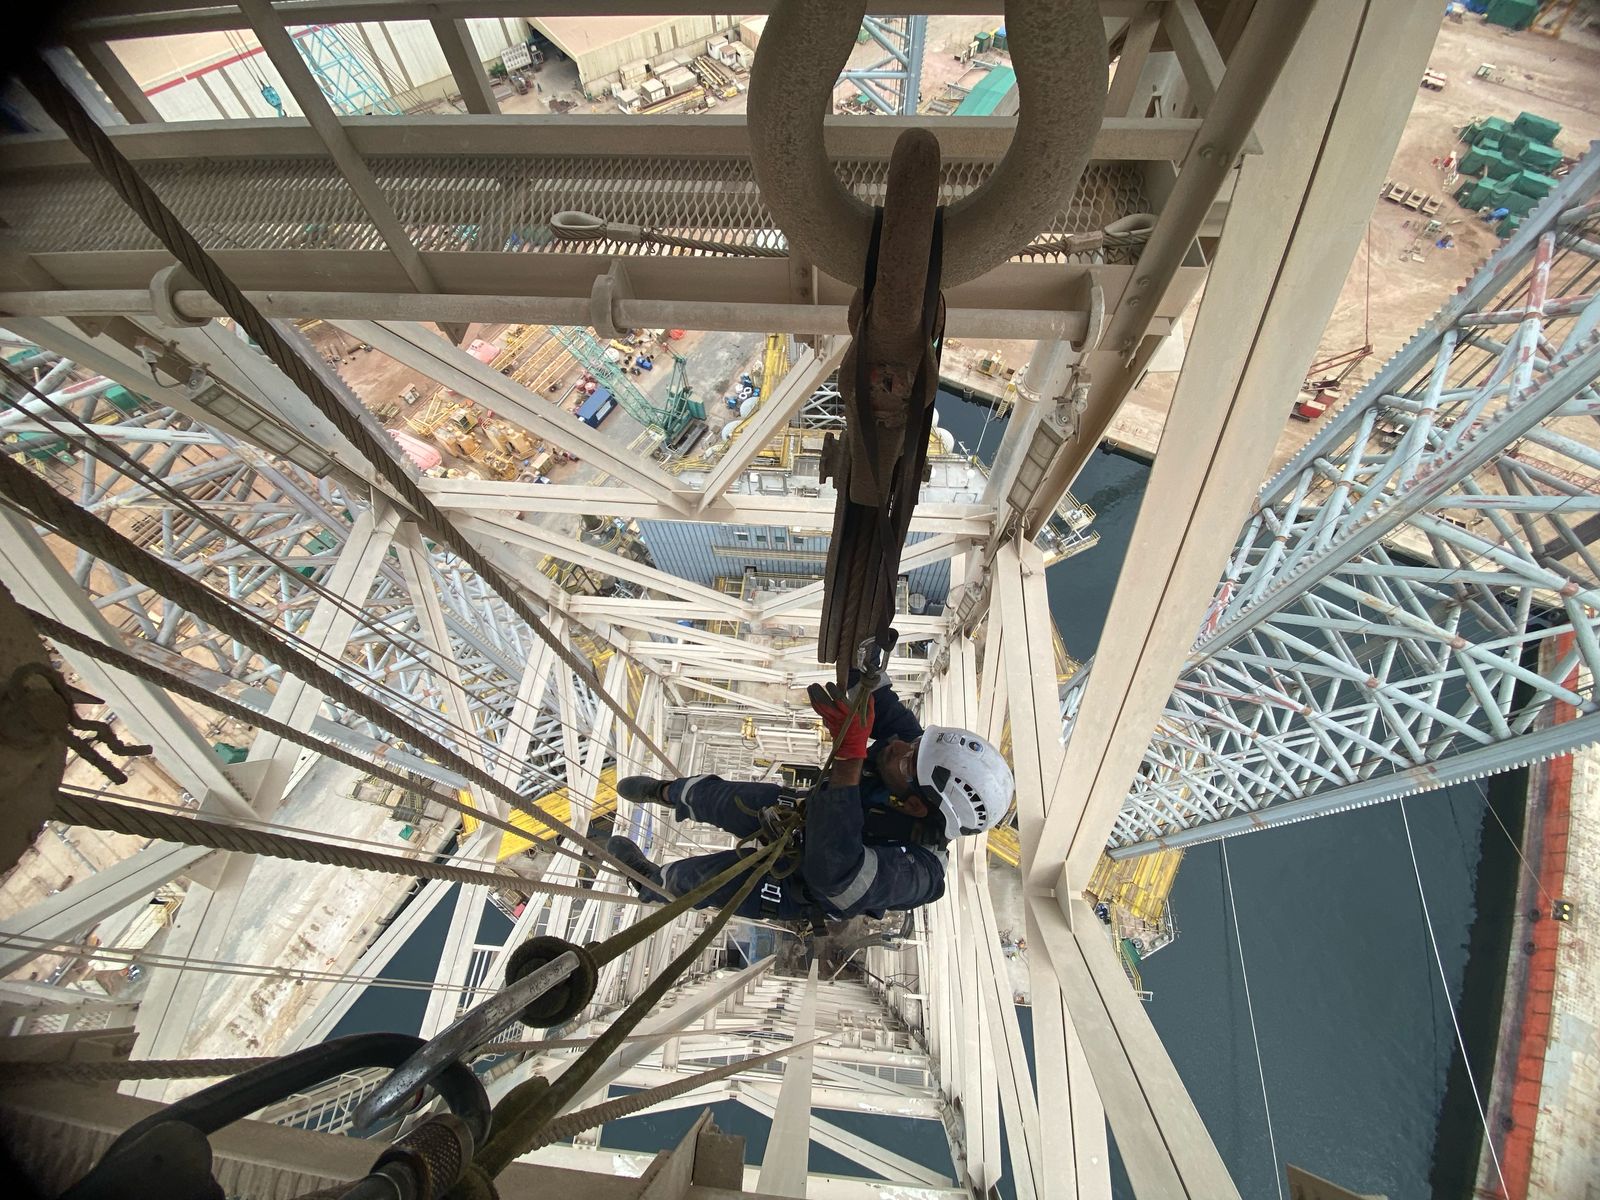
(199, 830)
(83, 951)
(1466, 1062)
(528, 1108)
(63, 633)
(232, 821)
(97, 147)
(375, 623)
(401, 700)
(1250, 1007)
(172, 682)
(92, 1071)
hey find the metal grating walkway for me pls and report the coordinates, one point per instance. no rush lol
(498, 204)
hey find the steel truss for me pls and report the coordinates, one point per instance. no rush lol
(284, 531)
(893, 84)
(1418, 588)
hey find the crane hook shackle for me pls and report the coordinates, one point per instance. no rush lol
(1059, 50)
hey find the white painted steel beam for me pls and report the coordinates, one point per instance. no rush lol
(436, 358)
(778, 406)
(1329, 126)
(731, 508)
(466, 68)
(783, 1167)
(37, 580)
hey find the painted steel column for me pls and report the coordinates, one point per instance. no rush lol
(1075, 1161)
(68, 913)
(328, 630)
(169, 1012)
(461, 53)
(783, 1167)
(114, 79)
(1297, 215)
(37, 579)
(275, 40)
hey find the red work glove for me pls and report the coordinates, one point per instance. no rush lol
(835, 709)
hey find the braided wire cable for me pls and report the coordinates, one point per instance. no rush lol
(115, 457)
(95, 813)
(306, 375)
(90, 533)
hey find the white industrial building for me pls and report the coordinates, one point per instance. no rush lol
(603, 46)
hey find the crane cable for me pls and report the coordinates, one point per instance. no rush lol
(93, 143)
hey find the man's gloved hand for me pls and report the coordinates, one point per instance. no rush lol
(835, 707)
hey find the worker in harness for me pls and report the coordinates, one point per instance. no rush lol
(875, 834)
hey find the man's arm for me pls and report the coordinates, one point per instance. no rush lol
(891, 718)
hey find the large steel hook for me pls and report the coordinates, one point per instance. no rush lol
(1059, 50)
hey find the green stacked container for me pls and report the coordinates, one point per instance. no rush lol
(1513, 144)
(1476, 194)
(1541, 158)
(1537, 128)
(1518, 202)
(1508, 226)
(1495, 127)
(1531, 183)
(1499, 166)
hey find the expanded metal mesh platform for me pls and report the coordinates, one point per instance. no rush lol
(493, 204)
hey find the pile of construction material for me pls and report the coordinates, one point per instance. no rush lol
(1516, 165)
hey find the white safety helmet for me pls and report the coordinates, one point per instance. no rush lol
(968, 775)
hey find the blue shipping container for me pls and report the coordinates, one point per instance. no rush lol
(597, 408)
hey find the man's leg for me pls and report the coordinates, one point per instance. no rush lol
(769, 900)
(732, 807)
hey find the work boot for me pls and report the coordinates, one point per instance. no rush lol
(644, 789)
(626, 851)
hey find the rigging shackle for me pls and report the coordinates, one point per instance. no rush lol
(1059, 50)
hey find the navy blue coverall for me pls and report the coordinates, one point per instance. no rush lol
(857, 856)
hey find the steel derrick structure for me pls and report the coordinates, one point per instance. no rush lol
(1418, 587)
(282, 530)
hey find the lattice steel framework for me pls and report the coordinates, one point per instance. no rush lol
(350, 87)
(893, 84)
(1418, 588)
(297, 525)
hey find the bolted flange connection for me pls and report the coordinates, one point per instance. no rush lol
(567, 998)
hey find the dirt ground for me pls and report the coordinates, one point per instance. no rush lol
(1388, 294)
(1557, 79)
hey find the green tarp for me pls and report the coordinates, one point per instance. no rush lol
(1531, 183)
(991, 89)
(1541, 158)
(1512, 14)
(1540, 129)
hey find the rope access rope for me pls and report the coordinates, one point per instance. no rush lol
(1461, 1041)
(1250, 1007)
(530, 1106)
(123, 661)
(92, 141)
